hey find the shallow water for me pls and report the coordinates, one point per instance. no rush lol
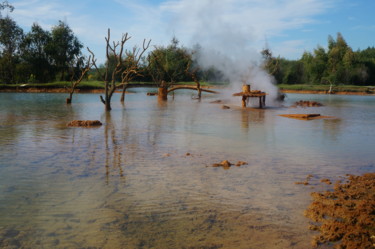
(145, 178)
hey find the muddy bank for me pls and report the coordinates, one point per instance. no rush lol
(325, 92)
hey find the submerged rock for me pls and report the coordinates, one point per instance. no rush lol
(306, 103)
(240, 163)
(225, 164)
(84, 123)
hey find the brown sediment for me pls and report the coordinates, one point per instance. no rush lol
(240, 163)
(309, 116)
(307, 103)
(84, 123)
(306, 182)
(345, 215)
(226, 164)
(216, 101)
(225, 107)
(327, 181)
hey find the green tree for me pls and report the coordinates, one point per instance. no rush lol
(319, 65)
(270, 63)
(291, 72)
(5, 5)
(168, 64)
(64, 47)
(336, 71)
(11, 36)
(35, 52)
(366, 69)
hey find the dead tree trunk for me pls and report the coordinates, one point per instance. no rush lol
(74, 82)
(163, 91)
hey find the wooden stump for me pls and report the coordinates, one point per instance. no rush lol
(163, 93)
(246, 88)
(244, 98)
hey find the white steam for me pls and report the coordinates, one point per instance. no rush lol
(226, 44)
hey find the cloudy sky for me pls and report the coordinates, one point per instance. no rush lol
(287, 27)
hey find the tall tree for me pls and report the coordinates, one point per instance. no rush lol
(336, 52)
(168, 64)
(64, 47)
(11, 36)
(112, 70)
(35, 53)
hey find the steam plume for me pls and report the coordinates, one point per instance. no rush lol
(227, 45)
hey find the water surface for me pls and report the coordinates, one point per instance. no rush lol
(145, 178)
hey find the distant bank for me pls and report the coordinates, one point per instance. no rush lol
(96, 88)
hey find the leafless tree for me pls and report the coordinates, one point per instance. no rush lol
(116, 50)
(74, 80)
(131, 67)
(192, 72)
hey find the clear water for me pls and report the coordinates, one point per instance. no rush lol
(145, 178)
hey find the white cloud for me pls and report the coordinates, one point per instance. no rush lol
(244, 23)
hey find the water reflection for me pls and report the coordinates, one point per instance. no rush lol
(252, 116)
(131, 183)
(332, 128)
(114, 152)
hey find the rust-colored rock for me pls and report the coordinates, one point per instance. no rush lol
(306, 103)
(84, 123)
(308, 116)
(345, 215)
(225, 164)
(240, 163)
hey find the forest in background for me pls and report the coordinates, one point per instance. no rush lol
(43, 56)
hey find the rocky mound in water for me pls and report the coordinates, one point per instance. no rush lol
(345, 215)
(226, 164)
(306, 103)
(84, 123)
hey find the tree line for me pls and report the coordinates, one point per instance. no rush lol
(41, 56)
(338, 64)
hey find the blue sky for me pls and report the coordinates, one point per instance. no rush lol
(287, 27)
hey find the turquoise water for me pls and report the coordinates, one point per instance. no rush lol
(145, 178)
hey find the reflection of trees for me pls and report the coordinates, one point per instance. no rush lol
(9, 131)
(255, 116)
(113, 148)
(332, 128)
